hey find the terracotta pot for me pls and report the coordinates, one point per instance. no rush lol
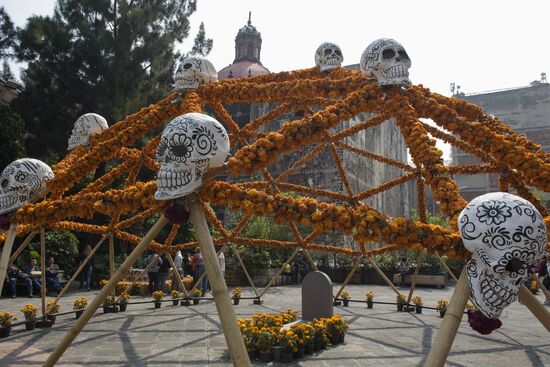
(5, 332)
(286, 357)
(236, 301)
(369, 304)
(78, 313)
(266, 356)
(123, 306)
(345, 302)
(157, 304)
(30, 325)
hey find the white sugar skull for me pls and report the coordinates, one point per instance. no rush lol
(189, 145)
(194, 71)
(84, 127)
(328, 56)
(507, 237)
(19, 180)
(387, 61)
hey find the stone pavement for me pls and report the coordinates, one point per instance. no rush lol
(191, 336)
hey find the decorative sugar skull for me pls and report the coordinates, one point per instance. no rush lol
(387, 61)
(189, 145)
(507, 237)
(328, 56)
(84, 127)
(194, 71)
(19, 180)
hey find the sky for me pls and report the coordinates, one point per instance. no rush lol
(479, 45)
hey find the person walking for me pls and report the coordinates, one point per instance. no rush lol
(164, 268)
(153, 272)
(86, 274)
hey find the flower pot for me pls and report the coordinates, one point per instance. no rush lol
(369, 304)
(342, 338)
(345, 302)
(276, 351)
(157, 304)
(252, 354)
(265, 356)
(185, 302)
(335, 339)
(30, 325)
(5, 331)
(442, 313)
(113, 309)
(310, 348)
(236, 301)
(122, 307)
(51, 318)
(400, 307)
(286, 357)
(78, 313)
(106, 309)
(300, 353)
(418, 309)
(316, 345)
(196, 301)
(175, 302)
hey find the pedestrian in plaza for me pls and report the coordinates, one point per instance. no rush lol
(86, 274)
(153, 272)
(403, 270)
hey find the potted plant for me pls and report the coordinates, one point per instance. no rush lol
(336, 327)
(5, 323)
(306, 333)
(236, 295)
(442, 307)
(534, 287)
(29, 310)
(175, 297)
(345, 298)
(79, 305)
(123, 303)
(401, 300)
(54, 308)
(320, 341)
(288, 341)
(157, 297)
(417, 300)
(369, 296)
(196, 294)
(264, 342)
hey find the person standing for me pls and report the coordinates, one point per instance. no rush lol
(86, 274)
(163, 273)
(403, 270)
(153, 272)
(203, 286)
(221, 259)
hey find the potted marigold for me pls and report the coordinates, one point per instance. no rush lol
(237, 292)
(175, 297)
(369, 296)
(5, 323)
(109, 304)
(442, 307)
(124, 298)
(336, 328)
(79, 305)
(345, 298)
(321, 338)
(534, 287)
(196, 294)
(29, 310)
(417, 300)
(54, 308)
(288, 341)
(264, 341)
(157, 297)
(401, 300)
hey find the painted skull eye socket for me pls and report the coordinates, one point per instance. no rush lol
(338, 52)
(187, 66)
(388, 54)
(328, 51)
(5, 183)
(514, 265)
(403, 55)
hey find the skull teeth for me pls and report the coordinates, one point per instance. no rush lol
(8, 200)
(397, 71)
(173, 179)
(496, 295)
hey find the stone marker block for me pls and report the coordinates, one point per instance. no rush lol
(316, 296)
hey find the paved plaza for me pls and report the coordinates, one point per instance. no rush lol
(191, 336)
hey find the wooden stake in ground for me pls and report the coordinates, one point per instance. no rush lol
(542, 287)
(350, 275)
(381, 273)
(6, 252)
(112, 261)
(22, 247)
(279, 272)
(533, 304)
(449, 326)
(231, 330)
(415, 275)
(240, 260)
(177, 274)
(43, 268)
(105, 291)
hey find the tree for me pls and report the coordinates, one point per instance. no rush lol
(105, 56)
(11, 133)
(7, 34)
(202, 45)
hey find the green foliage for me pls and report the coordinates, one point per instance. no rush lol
(202, 45)
(11, 136)
(62, 245)
(106, 56)
(7, 34)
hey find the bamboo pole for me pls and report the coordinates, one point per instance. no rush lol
(413, 280)
(105, 291)
(240, 260)
(308, 255)
(22, 247)
(231, 330)
(112, 261)
(443, 341)
(350, 275)
(6, 252)
(178, 276)
(381, 273)
(542, 287)
(43, 268)
(279, 272)
(536, 308)
(76, 273)
(446, 266)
